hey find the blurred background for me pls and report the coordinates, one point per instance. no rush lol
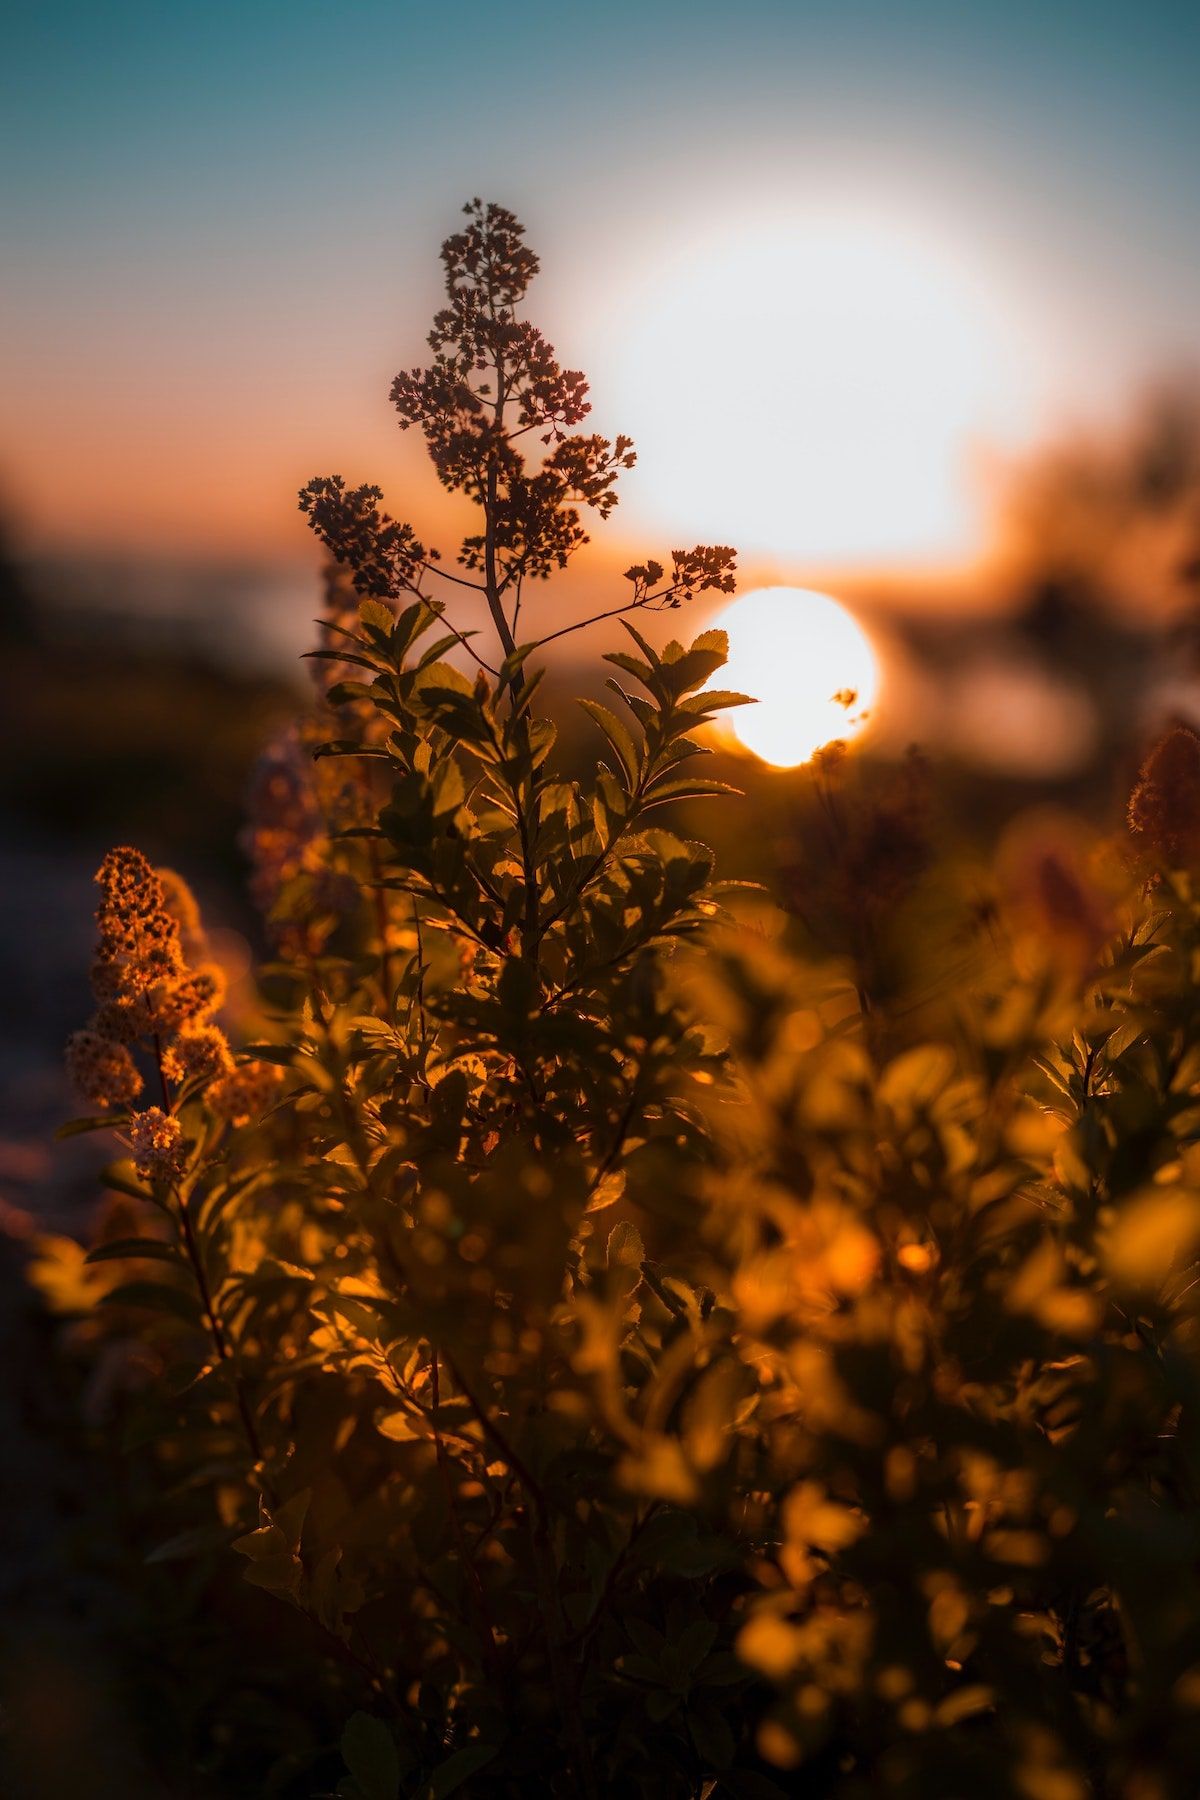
(901, 301)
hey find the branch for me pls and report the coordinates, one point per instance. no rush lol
(648, 602)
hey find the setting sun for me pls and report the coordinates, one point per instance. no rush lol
(807, 663)
(817, 384)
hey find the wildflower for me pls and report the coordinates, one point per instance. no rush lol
(149, 983)
(139, 940)
(301, 896)
(180, 903)
(104, 1072)
(1164, 808)
(1051, 880)
(245, 1092)
(286, 831)
(157, 1141)
(197, 1050)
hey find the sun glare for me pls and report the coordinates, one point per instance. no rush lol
(815, 387)
(807, 663)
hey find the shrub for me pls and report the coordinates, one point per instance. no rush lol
(637, 1360)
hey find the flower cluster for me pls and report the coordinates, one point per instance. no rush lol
(146, 990)
(287, 839)
(245, 1092)
(157, 1141)
(103, 1072)
(1164, 808)
(382, 553)
(156, 992)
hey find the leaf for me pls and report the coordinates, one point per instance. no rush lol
(625, 1247)
(369, 1752)
(964, 1703)
(1150, 1235)
(187, 1544)
(283, 1055)
(344, 693)
(449, 788)
(375, 614)
(630, 664)
(618, 735)
(122, 1179)
(714, 1741)
(151, 1249)
(651, 656)
(660, 1470)
(98, 1122)
(402, 1427)
(156, 1296)
(694, 667)
(715, 700)
(686, 788)
(916, 1077)
(748, 1784)
(342, 656)
(451, 1774)
(442, 681)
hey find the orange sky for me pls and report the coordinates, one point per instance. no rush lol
(815, 259)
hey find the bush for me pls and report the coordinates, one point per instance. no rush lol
(638, 1356)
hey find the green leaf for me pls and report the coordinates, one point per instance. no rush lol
(443, 680)
(630, 664)
(625, 1247)
(687, 789)
(342, 656)
(98, 1122)
(375, 614)
(369, 1752)
(151, 1249)
(191, 1543)
(343, 693)
(156, 1296)
(448, 787)
(693, 668)
(121, 1178)
(651, 656)
(618, 735)
(715, 700)
(451, 1774)
(714, 1741)
(283, 1055)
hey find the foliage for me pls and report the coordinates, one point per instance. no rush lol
(639, 1357)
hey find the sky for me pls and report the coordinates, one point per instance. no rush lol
(824, 261)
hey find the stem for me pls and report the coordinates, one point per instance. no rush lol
(648, 603)
(548, 1594)
(216, 1330)
(475, 1582)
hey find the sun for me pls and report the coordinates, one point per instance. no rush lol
(809, 665)
(819, 384)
